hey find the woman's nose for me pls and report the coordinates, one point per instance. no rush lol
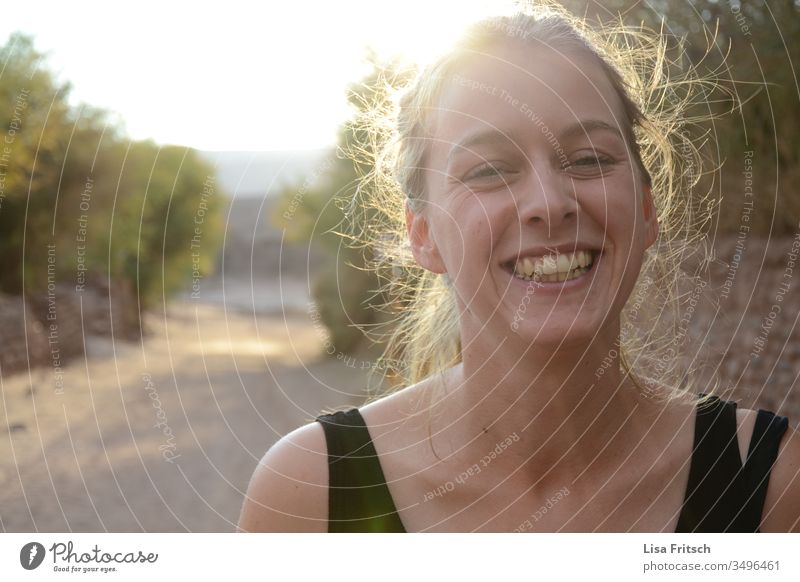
(547, 199)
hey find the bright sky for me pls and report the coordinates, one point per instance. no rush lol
(230, 75)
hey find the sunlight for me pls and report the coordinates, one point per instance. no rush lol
(242, 78)
(421, 34)
(238, 348)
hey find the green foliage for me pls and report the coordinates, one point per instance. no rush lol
(109, 206)
(342, 293)
(167, 219)
(34, 134)
(316, 211)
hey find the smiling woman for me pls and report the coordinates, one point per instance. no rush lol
(539, 184)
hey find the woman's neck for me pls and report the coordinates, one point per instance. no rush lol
(561, 409)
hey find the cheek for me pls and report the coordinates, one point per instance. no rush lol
(450, 238)
(465, 237)
(615, 208)
(464, 224)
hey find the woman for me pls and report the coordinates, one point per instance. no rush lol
(536, 175)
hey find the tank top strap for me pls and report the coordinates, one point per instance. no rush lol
(722, 494)
(715, 475)
(763, 450)
(358, 498)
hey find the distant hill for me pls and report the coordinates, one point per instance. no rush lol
(253, 247)
(260, 174)
(254, 251)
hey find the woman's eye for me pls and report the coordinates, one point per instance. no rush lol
(487, 171)
(589, 163)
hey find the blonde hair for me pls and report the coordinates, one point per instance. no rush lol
(657, 95)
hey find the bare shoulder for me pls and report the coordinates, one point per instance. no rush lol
(398, 416)
(782, 506)
(288, 491)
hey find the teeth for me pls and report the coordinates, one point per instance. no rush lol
(564, 264)
(559, 267)
(527, 266)
(547, 265)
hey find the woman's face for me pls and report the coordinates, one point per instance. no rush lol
(527, 164)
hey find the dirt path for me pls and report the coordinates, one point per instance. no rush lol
(164, 435)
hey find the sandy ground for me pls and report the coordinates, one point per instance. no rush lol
(163, 435)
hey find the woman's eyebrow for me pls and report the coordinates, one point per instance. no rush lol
(585, 127)
(481, 137)
(495, 136)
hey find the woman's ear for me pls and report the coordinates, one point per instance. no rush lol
(423, 247)
(650, 216)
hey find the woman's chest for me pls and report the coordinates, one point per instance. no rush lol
(630, 498)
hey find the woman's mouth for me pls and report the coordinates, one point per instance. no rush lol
(554, 268)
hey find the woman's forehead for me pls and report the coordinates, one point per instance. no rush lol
(515, 87)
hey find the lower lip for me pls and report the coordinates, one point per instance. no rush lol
(557, 288)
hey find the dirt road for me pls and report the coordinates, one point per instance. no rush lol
(162, 435)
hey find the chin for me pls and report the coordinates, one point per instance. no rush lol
(553, 335)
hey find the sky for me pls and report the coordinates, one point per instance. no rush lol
(233, 75)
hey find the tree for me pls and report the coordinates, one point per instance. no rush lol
(345, 290)
(78, 197)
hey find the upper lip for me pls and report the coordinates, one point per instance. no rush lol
(544, 250)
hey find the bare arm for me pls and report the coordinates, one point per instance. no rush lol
(289, 489)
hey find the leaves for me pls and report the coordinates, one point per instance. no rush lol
(72, 178)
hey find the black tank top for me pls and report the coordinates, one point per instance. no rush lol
(722, 495)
